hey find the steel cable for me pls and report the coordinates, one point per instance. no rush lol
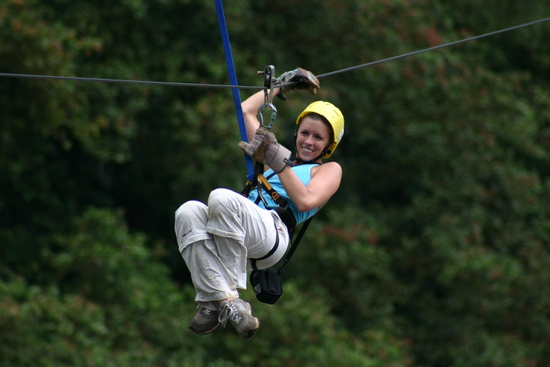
(200, 85)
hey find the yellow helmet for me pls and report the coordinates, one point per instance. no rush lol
(334, 117)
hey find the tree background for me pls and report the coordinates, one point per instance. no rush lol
(434, 252)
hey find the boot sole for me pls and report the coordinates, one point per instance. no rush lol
(204, 332)
(250, 333)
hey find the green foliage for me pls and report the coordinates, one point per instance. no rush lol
(102, 306)
(433, 253)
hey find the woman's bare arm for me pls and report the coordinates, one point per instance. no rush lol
(324, 183)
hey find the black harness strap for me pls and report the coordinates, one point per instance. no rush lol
(294, 245)
(262, 183)
(271, 252)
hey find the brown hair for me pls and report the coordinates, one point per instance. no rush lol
(318, 117)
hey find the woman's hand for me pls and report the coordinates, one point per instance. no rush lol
(299, 79)
(265, 148)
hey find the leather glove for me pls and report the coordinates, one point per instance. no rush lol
(301, 78)
(257, 147)
(265, 148)
(276, 156)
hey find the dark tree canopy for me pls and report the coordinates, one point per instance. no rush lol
(434, 252)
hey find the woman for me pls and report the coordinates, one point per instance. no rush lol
(218, 240)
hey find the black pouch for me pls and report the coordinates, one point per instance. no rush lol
(267, 285)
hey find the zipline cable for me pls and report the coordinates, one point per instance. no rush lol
(433, 48)
(125, 81)
(233, 80)
(178, 84)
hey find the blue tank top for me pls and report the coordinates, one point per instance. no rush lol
(303, 172)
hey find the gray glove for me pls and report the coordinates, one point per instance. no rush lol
(265, 148)
(301, 78)
(257, 147)
(277, 156)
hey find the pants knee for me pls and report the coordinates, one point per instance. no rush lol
(189, 209)
(184, 210)
(219, 202)
(190, 223)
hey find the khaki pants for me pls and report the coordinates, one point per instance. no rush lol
(216, 241)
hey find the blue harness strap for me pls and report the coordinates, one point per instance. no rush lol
(233, 80)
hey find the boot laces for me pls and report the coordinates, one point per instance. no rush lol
(230, 312)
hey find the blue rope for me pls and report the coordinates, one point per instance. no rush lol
(233, 80)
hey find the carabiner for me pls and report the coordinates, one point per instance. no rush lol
(273, 109)
(269, 90)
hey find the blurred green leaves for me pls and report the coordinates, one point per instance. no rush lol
(433, 253)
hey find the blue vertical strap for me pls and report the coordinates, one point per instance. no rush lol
(233, 80)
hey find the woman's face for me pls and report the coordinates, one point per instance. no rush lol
(312, 138)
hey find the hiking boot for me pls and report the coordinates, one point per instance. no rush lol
(239, 313)
(205, 320)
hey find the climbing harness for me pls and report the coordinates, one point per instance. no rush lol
(267, 282)
(256, 177)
